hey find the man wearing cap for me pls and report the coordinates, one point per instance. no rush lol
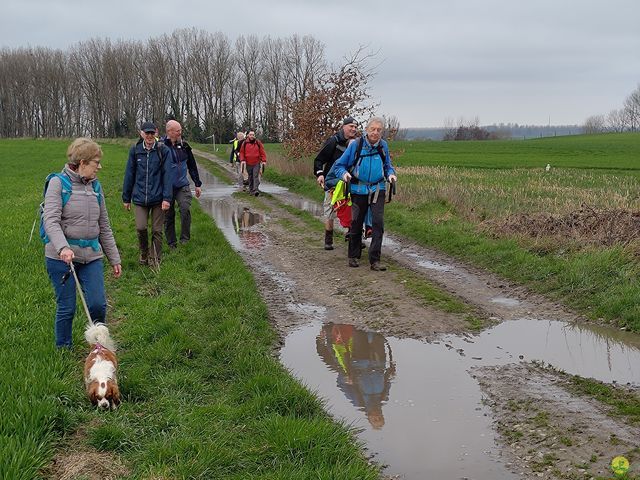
(148, 185)
(332, 149)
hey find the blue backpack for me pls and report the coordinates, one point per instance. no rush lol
(67, 190)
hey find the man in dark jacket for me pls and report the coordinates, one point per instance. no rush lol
(181, 161)
(332, 149)
(147, 183)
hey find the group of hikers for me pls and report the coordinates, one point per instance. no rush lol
(75, 224)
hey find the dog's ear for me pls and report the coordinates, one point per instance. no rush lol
(92, 392)
(113, 394)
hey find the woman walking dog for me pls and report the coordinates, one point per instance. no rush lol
(76, 228)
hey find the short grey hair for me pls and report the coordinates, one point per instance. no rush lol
(373, 120)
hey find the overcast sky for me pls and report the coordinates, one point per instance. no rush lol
(500, 60)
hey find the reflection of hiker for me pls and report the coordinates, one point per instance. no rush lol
(332, 149)
(254, 158)
(367, 164)
(360, 360)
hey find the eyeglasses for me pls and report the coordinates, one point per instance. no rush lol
(149, 133)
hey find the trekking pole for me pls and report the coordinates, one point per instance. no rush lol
(84, 302)
(392, 190)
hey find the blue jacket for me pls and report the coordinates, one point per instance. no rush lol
(370, 173)
(147, 178)
(182, 160)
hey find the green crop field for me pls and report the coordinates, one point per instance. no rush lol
(203, 395)
(609, 152)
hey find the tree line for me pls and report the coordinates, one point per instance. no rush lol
(623, 119)
(212, 85)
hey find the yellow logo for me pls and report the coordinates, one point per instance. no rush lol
(620, 465)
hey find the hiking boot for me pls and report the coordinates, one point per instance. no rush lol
(377, 267)
(353, 262)
(328, 239)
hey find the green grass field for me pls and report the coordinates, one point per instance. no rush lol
(447, 192)
(203, 395)
(609, 152)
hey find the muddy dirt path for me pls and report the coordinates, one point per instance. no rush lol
(302, 283)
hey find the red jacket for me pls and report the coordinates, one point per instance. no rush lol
(252, 152)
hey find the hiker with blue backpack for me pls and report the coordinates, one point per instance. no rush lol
(75, 228)
(148, 184)
(366, 167)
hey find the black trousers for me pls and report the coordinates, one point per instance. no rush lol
(359, 206)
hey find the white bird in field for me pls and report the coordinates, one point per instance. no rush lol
(548, 167)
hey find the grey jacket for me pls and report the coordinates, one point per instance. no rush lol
(81, 218)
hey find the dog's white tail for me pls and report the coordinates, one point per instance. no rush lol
(99, 333)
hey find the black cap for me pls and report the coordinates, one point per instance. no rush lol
(349, 121)
(148, 127)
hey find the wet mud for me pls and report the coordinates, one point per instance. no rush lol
(409, 377)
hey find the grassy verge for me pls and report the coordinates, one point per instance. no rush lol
(203, 396)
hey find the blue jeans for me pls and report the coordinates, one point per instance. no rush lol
(91, 277)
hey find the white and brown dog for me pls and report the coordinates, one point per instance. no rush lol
(100, 368)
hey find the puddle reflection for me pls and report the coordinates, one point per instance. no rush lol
(415, 403)
(364, 365)
(416, 407)
(236, 224)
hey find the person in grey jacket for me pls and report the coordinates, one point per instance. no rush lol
(78, 232)
(148, 184)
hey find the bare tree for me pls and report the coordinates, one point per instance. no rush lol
(632, 109)
(594, 124)
(392, 127)
(616, 121)
(249, 63)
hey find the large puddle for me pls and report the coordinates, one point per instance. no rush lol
(418, 408)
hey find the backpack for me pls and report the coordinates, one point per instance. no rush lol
(67, 190)
(331, 180)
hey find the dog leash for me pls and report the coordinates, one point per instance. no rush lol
(75, 276)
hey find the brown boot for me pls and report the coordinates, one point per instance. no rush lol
(328, 239)
(143, 243)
